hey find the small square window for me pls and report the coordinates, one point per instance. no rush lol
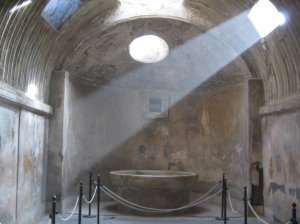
(155, 105)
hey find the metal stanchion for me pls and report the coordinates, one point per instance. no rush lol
(245, 206)
(90, 198)
(223, 193)
(223, 201)
(294, 216)
(80, 203)
(98, 199)
(53, 209)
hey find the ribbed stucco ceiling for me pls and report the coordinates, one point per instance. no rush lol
(31, 50)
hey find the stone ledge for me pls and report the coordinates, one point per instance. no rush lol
(18, 99)
(287, 104)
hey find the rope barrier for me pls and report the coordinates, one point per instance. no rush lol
(148, 209)
(89, 202)
(154, 209)
(257, 216)
(72, 213)
(123, 203)
(137, 207)
(230, 202)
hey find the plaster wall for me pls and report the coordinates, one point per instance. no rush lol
(9, 118)
(22, 165)
(109, 129)
(56, 136)
(31, 168)
(281, 142)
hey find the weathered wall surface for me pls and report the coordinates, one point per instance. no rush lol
(56, 137)
(32, 165)
(281, 140)
(109, 130)
(256, 100)
(22, 165)
(9, 120)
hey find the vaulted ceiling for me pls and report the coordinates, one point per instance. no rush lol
(93, 45)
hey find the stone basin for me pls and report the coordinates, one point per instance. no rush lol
(154, 188)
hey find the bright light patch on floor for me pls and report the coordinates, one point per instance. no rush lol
(265, 17)
(22, 5)
(31, 91)
(148, 49)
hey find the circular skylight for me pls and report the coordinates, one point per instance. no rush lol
(148, 49)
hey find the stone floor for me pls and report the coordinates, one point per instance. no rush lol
(110, 214)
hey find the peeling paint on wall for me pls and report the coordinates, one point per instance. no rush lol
(281, 156)
(274, 187)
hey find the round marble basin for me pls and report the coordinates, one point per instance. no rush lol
(154, 188)
(153, 178)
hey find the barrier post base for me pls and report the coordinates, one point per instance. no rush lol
(221, 219)
(89, 216)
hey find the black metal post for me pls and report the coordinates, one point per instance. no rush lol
(222, 200)
(223, 193)
(225, 201)
(90, 192)
(80, 203)
(53, 209)
(98, 199)
(294, 216)
(90, 198)
(245, 205)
